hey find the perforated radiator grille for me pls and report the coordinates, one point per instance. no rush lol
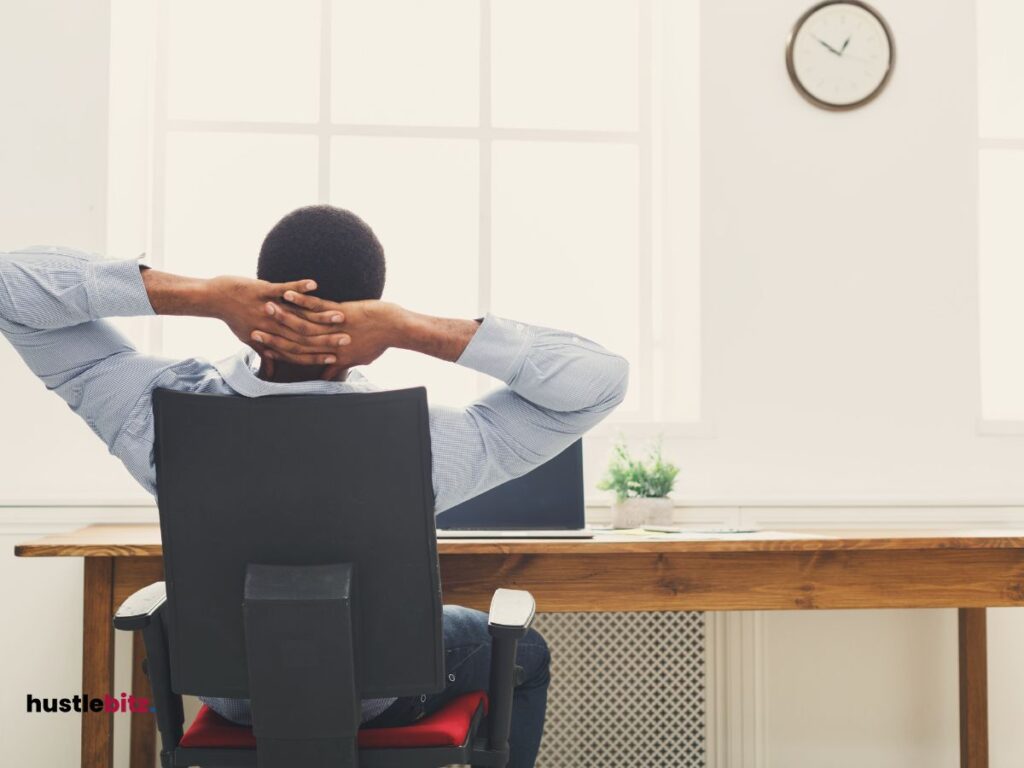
(627, 689)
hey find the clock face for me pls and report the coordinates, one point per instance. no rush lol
(840, 54)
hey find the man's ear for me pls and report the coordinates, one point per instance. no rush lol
(334, 373)
(266, 365)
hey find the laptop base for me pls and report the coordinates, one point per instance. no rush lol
(558, 533)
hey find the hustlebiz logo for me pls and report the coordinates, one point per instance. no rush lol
(126, 703)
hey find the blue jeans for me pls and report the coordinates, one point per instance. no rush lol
(467, 668)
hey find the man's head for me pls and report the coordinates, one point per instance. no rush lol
(330, 245)
(335, 248)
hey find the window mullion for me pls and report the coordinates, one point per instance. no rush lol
(158, 190)
(324, 123)
(486, 139)
(645, 218)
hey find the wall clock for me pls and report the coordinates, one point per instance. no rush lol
(840, 54)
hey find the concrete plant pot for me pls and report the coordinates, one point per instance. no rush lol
(636, 512)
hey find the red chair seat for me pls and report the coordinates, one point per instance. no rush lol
(448, 727)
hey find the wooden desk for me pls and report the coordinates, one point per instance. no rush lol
(863, 569)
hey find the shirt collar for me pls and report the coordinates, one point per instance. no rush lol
(240, 372)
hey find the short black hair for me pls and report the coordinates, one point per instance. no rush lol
(330, 245)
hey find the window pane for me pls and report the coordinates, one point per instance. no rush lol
(564, 249)
(406, 62)
(421, 198)
(565, 64)
(1000, 68)
(1001, 277)
(243, 60)
(224, 193)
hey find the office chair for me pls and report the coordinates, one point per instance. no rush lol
(301, 572)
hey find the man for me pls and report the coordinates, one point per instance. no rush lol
(312, 316)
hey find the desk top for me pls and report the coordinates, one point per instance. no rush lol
(144, 541)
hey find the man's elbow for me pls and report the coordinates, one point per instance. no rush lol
(617, 378)
(7, 268)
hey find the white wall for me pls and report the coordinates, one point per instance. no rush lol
(53, 165)
(53, 66)
(839, 262)
(842, 363)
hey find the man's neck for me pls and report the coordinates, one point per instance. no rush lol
(282, 372)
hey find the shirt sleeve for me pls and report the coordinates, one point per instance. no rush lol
(52, 308)
(49, 288)
(557, 386)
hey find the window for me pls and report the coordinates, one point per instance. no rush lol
(533, 158)
(1001, 226)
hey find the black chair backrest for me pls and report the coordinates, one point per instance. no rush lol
(299, 480)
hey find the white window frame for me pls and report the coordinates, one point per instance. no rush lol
(654, 340)
(987, 426)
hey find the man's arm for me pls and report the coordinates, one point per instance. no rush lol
(558, 386)
(53, 309)
(53, 288)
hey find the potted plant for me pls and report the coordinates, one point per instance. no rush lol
(641, 487)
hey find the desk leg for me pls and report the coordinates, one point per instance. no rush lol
(98, 660)
(973, 689)
(143, 738)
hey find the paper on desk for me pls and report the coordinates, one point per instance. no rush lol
(712, 534)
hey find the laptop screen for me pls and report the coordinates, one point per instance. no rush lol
(550, 496)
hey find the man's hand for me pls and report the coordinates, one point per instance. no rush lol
(372, 327)
(282, 322)
(254, 310)
(251, 309)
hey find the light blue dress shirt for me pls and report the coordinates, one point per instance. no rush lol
(53, 305)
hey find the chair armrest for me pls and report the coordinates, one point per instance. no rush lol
(144, 611)
(138, 610)
(511, 615)
(512, 612)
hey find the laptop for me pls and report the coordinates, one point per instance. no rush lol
(547, 502)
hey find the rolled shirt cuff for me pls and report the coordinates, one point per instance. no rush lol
(498, 348)
(116, 289)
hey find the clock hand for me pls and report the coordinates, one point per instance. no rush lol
(844, 46)
(826, 45)
(861, 59)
